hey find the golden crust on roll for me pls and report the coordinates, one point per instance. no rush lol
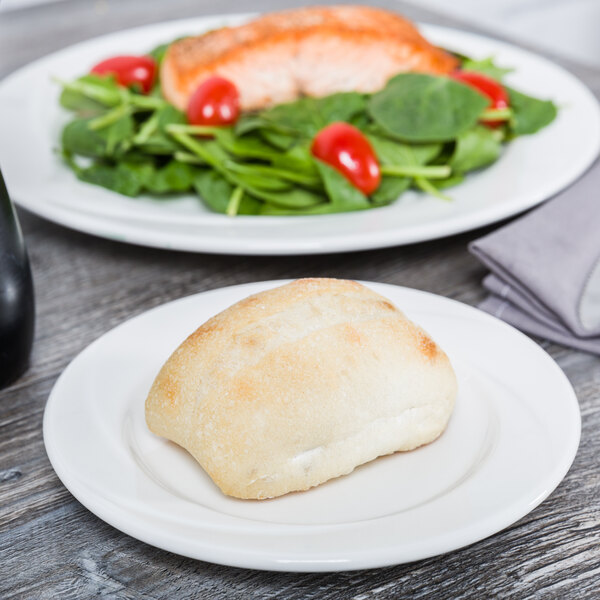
(312, 51)
(299, 384)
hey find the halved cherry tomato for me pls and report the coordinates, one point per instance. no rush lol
(216, 101)
(129, 70)
(348, 151)
(487, 86)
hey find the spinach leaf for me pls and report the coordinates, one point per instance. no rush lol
(158, 145)
(342, 194)
(444, 155)
(424, 108)
(249, 206)
(296, 197)
(476, 148)
(78, 138)
(249, 178)
(101, 90)
(398, 154)
(389, 190)
(249, 146)
(451, 181)
(118, 135)
(141, 170)
(207, 150)
(214, 189)
(299, 117)
(216, 192)
(425, 153)
(529, 114)
(133, 175)
(153, 137)
(123, 178)
(114, 140)
(390, 153)
(297, 158)
(169, 115)
(282, 141)
(309, 115)
(82, 105)
(173, 177)
(279, 211)
(273, 174)
(395, 153)
(343, 106)
(485, 66)
(252, 122)
(361, 120)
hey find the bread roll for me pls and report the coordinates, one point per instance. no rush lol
(299, 384)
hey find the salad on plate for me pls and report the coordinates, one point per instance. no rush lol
(310, 136)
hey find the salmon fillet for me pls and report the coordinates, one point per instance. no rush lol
(313, 51)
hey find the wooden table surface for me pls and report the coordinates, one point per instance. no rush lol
(52, 547)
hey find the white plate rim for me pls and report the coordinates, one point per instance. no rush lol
(348, 560)
(199, 239)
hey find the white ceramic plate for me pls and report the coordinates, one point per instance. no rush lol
(510, 441)
(531, 170)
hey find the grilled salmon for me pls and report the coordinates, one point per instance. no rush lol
(313, 51)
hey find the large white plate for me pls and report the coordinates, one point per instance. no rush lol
(510, 441)
(531, 170)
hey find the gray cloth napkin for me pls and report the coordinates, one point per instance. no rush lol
(545, 268)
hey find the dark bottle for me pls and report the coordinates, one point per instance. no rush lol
(16, 294)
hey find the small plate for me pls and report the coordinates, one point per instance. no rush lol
(511, 439)
(531, 169)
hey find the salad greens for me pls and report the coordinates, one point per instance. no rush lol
(421, 108)
(425, 130)
(530, 114)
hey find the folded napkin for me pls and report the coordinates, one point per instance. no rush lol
(545, 268)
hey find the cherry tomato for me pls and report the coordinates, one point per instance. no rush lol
(129, 70)
(348, 151)
(488, 87)
(216, 101)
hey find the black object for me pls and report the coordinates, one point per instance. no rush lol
(17, 313)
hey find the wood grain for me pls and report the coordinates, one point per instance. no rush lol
(52, 547)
